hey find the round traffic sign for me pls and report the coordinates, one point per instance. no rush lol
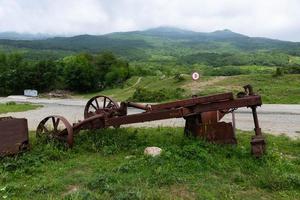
(195, 76)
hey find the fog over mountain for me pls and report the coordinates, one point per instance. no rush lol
(270, 18)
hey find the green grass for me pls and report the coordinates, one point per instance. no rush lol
(254, 69)
(276, 90)
(149, 82)
(109, 164)
(14, 107)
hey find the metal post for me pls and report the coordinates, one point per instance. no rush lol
(255, 119)
(258, 142)
(233, 123)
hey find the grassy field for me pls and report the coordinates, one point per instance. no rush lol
(14, 107)
(110, 164)
(149, 82)
(285, 89)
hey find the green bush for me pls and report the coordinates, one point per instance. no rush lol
(11, 103)
(145, 95)
(237, 59)
(179, 77)
(292, 70)
(223, 71)
(278, 72)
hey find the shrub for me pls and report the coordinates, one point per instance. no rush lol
(179, 77)
(11, 103)
(292, 70)
(278, 72)
(223, 71)
(145, 95)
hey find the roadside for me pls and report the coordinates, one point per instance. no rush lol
(14, 107)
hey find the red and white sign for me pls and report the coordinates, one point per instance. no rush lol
(195, 76)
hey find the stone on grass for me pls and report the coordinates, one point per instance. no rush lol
(152, 151)
(129, 157)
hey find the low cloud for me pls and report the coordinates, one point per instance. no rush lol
(270, 18)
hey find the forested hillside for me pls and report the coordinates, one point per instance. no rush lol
(88, 63)
(162, 43)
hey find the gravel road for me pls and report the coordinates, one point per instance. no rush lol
(274, 118)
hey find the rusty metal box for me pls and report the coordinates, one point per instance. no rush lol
(13, 135)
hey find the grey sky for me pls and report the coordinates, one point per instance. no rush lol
(268, 18)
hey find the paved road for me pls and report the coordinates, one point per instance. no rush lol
(274, 118)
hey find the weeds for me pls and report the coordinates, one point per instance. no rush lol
(109, 164)
(146, 95)
(14, 107)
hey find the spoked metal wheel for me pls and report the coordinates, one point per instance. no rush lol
(100, 105)
(55, 128)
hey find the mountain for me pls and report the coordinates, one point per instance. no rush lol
(169, 42)
(170, 32)
(23, 36)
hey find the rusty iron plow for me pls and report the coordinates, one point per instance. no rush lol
(202, 115)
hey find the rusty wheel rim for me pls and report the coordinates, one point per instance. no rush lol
(100, 104)
(55, 128)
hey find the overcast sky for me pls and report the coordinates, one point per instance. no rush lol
(268, 18)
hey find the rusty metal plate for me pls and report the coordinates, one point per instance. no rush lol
(220, 133)
(13, 135)
(258, 145)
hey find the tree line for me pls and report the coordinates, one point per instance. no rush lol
(82, 72)
(238, 59)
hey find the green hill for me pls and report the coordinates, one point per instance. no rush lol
(282, 90)
(162, 41)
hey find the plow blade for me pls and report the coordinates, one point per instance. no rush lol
(14, 135)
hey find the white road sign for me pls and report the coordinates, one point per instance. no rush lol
(195, 76)
(31, 93)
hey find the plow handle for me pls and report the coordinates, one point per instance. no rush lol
(248, 90)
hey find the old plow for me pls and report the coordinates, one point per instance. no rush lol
(202, 115)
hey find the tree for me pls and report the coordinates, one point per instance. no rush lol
(42, 75)
(79, 73)
(110, 69)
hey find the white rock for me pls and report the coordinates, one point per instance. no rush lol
(129, 157)
(152, 151)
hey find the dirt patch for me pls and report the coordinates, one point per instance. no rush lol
(199, 85)
(63, 94)
(181, 191)
(71, 189)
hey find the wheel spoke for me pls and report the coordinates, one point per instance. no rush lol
(94, 106)
(104, 102)
(109, 104)
(44, 127)
(55, 125)
(97, 103)
(53, 121)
